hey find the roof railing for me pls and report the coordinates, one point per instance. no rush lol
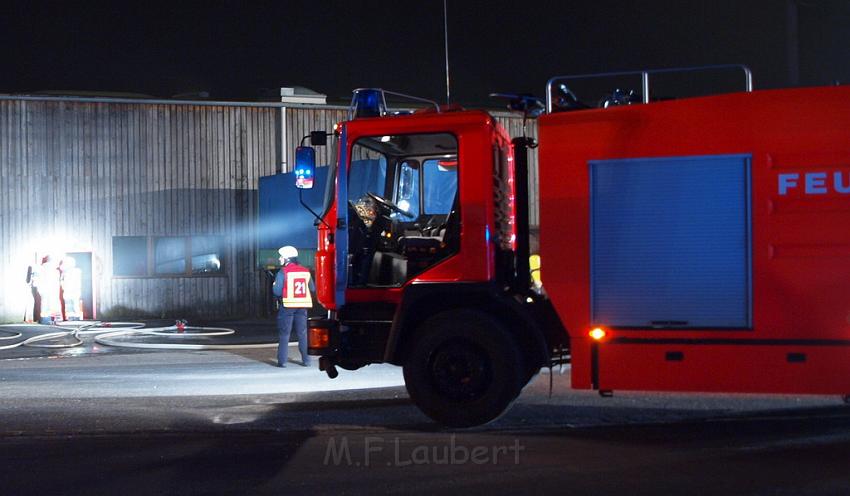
(644, 79)
(372, 102)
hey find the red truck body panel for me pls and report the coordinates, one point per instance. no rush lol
(799, 144)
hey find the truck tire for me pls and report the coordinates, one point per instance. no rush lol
(464, 369)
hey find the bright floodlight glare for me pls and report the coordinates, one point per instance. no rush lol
(23, 252)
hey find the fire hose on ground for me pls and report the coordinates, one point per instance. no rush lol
(110, 334)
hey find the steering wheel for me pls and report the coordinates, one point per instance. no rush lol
(392, 207)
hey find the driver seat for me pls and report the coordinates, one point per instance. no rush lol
(387, 269)
(435, 240)
(426, 250)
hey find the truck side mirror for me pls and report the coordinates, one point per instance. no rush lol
(318, 138)
(305, 167)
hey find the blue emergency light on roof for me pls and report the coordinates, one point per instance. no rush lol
(367, 102)
(372, 102)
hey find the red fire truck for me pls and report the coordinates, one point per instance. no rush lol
(696, 244)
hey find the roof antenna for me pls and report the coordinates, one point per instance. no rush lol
(446, 34)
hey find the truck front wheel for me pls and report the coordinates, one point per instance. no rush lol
(464, 369)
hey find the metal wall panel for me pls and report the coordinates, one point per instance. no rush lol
(74, 174)
(300, 121)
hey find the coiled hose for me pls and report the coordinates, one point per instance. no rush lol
(109, 334)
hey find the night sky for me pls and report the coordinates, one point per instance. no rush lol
(248, 49)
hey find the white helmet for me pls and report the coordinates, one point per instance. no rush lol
(288, 252)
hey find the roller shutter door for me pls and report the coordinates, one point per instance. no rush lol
(671, 242)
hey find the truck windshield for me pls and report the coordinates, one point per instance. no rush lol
(401, 197)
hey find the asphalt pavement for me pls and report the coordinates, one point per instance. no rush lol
(243, 389)
(90, 421)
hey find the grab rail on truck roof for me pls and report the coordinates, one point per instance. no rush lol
(558, 83)
(372, 102)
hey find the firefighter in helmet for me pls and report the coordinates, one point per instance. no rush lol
(292, 285)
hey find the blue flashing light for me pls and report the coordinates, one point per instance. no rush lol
(305, 163)
(368, 103)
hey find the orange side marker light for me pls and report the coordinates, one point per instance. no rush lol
(597, 334)
(319, 337)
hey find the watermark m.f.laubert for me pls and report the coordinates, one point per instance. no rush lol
(392, 452)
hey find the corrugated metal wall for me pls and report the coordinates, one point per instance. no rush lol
(301, 120)
(73, 174)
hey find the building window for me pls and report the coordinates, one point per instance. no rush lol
(167, 256)
(206, 254)
(130, 256)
